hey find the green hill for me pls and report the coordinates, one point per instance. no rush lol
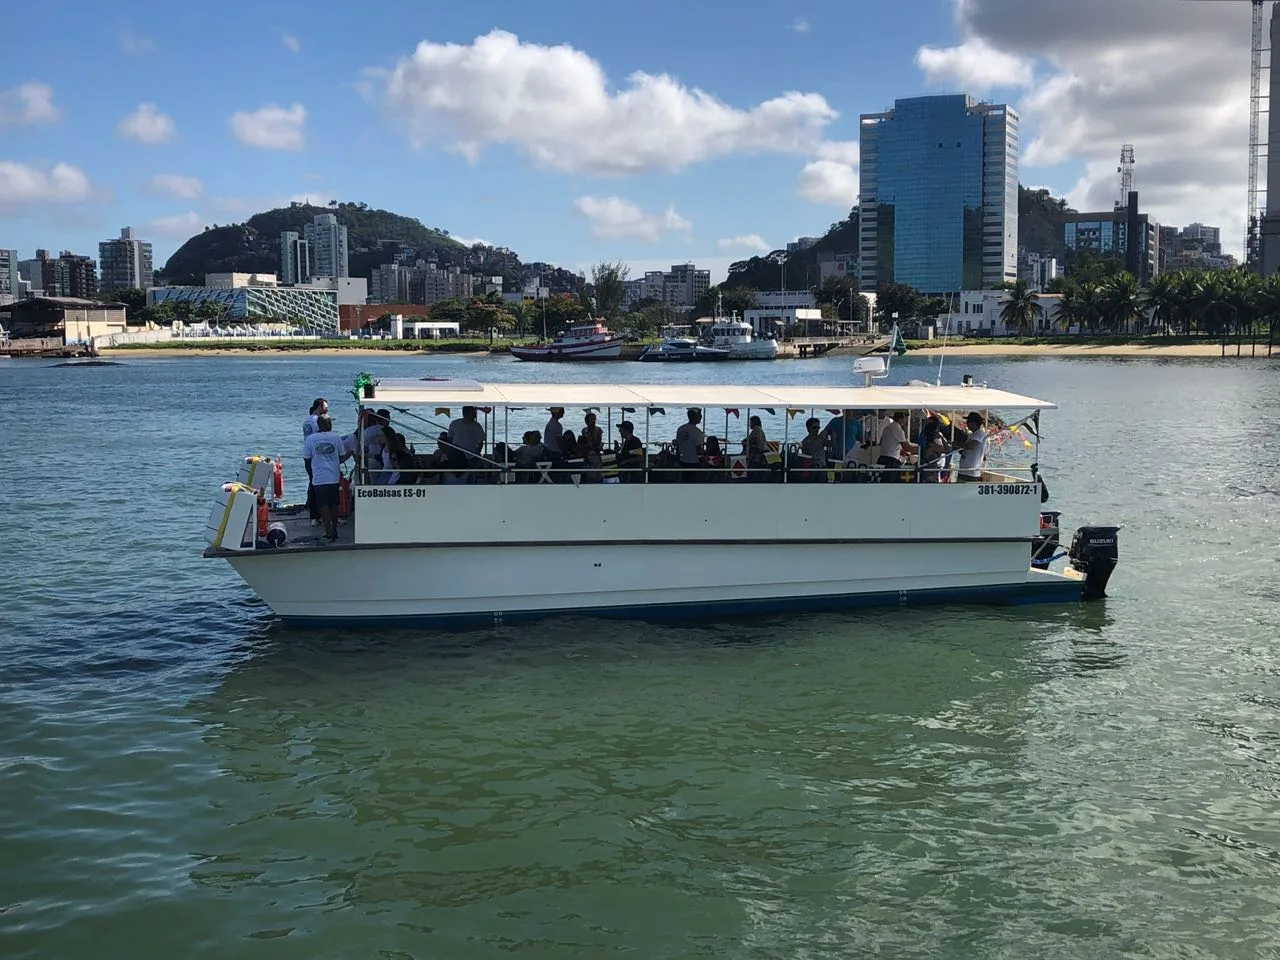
(373, 237)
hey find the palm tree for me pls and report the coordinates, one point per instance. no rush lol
(1021, 309)
(1122, 303)
(1163, 301)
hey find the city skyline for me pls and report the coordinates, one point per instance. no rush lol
(653, 156)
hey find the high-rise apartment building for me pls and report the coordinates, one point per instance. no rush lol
(295, 258)
(67, 275)
(429, 284)
(939, 195)
(391, 283)
(10, 278)
(125, 263)
(327, 239)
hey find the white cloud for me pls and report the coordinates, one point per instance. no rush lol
(973, 65)
(146, 125)
(180, 225)
(829, 182)
(801, 25)
(471, 241)
(746, 241)
(30, 102)
(21, 185)
(614, 218)
(1185, 109)
(134, 43)
(841, 151)
(271, 127)
(175, 185)
(556, 106)
(292, 42)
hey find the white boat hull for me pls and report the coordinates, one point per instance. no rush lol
(756, 350)
(469, 584)
(479, 554)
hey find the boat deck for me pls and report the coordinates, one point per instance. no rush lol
(302, 535)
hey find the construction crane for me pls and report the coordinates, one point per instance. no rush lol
(1257, 147)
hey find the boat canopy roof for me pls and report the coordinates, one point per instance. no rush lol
(474, 393)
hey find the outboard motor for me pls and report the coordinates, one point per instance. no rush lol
(1094, 552)
(1045, 546)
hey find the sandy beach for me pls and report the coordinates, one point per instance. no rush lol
(126, 352)
(1183, 350)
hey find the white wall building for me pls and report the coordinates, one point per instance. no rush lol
(772, 320)
(295, 258)
(230, 281)
(785, 298)
(327, 239)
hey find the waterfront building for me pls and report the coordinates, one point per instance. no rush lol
(838, 264)
(125, 263)
(939, 195)
(71, 319)
(327, 240)
(301, 305)
(785, 298)
(227, 281)
(295, 258)
(801, 243)
(1269, 228)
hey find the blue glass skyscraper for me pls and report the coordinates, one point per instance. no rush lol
(939, 195)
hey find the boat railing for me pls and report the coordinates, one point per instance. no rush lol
(784, 464)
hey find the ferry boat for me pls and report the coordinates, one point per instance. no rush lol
(682, 350)
(585, 341)
(648, 537)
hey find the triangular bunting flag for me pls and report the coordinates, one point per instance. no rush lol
(485, 410)
(792, 411)
(658, 410)
(770, 411)
(628, 409)
(734, 411)
(443, 412)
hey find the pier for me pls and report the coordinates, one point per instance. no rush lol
(43, 347)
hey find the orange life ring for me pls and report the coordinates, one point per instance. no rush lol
(277, 479)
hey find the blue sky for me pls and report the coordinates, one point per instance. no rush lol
(532, 131)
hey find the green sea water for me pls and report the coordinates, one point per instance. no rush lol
(182, 777)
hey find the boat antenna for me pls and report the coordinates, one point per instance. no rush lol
(945, 330)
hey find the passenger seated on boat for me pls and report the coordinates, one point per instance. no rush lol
(689, 444)
(372, 441)
(591, 444)
(630, 454)
(843, 433)
(528, 455)
(894, 448)
(713, 460)
(813, 453)
(756, 448)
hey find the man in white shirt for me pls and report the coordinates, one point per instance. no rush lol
(689, 441)
(372, 443)
(894, 448)
(326, 450)
(319, 409)
(974, 451)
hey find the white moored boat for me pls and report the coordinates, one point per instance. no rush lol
(586, 341)
(739, 338)
(648, 538)
(682, 350)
